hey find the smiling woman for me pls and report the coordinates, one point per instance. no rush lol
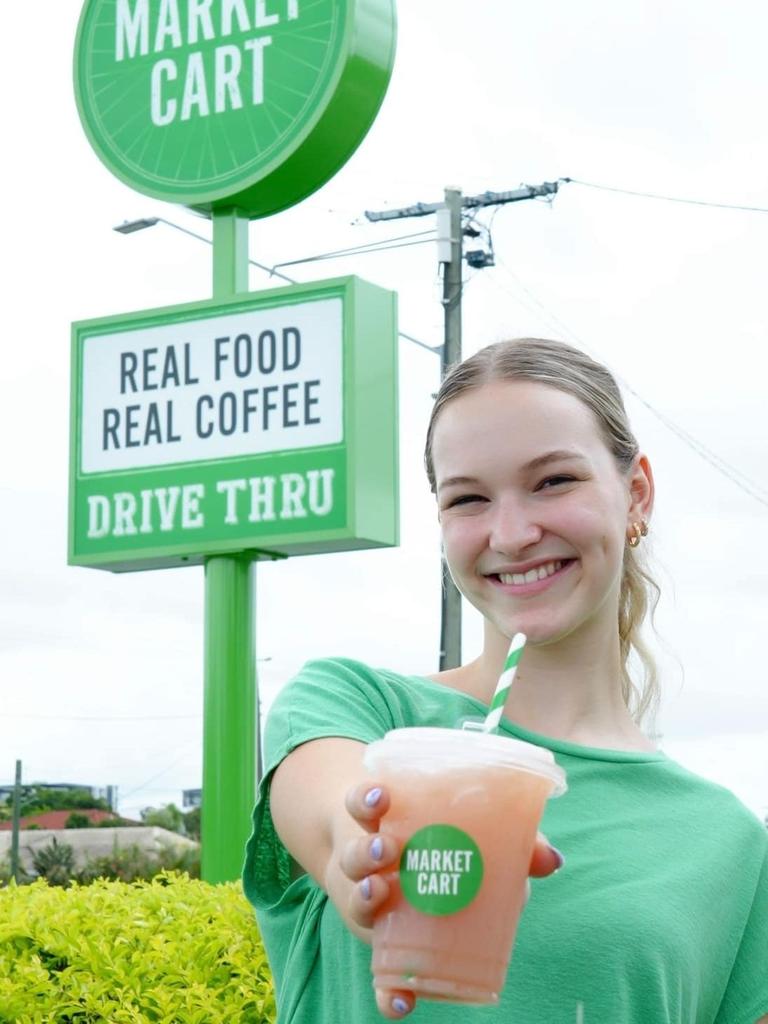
(567, 417)
(544, 499)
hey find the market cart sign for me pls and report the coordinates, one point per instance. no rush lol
(265, 424)
(246, 103)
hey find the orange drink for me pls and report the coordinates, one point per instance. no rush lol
(465, 807)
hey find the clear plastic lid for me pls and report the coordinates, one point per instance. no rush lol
(440, 749)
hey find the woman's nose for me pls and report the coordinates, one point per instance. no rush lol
(513, 530)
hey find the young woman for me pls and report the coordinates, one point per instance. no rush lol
(661, 914)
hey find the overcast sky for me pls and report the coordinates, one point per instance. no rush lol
(102, 674)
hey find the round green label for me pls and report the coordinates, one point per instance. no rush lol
(441, 869)
(251, 103)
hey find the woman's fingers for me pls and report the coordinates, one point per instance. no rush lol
(362, 860)
(394, 1003)
(369, 853)
(367, 803)
(366, 899)
(546, 858)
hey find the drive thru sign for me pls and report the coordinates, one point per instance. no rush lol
(258, 424)
(266, 422)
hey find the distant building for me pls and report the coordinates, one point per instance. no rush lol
(58, 819)
(107, 793)
(6, 792)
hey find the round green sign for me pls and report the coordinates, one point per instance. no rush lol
(246, 103)
(441, 869)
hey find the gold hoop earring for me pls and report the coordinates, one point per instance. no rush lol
(637, 533)
(643, 528)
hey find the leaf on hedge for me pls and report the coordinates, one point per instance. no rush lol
(173, 950)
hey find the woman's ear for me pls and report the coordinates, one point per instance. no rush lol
(641, 490)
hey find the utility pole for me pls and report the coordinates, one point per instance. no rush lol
(15, 825)
(452, 243)
(451, 255)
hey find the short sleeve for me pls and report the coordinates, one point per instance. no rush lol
(746, 996)
(329, 697)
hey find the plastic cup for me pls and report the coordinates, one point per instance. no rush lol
(465, 807)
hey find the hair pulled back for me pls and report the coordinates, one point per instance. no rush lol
(568, 369)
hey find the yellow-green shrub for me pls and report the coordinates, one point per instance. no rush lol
(173, 950)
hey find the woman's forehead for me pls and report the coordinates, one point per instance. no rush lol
(524, 414)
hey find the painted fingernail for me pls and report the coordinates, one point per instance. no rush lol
(372, 797)
(559, 857)
(365, 888)
(377, 848)
(400, 1006)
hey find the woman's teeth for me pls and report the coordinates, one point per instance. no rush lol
(532, 575)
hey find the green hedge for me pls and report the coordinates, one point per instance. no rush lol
(174, 951)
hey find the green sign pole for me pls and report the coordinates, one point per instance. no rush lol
(230, 690)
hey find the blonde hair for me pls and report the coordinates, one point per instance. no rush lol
(567, 369)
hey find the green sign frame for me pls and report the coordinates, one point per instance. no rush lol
(264, 425)
(252, 104)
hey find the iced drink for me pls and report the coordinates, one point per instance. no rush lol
(465, 807)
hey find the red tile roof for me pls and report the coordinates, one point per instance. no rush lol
(58, 819)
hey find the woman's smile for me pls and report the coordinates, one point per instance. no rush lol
(534, 580)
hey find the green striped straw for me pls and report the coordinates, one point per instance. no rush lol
(504, 684)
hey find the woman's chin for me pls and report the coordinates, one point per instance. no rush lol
(537, 634)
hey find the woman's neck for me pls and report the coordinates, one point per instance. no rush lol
(569, 689)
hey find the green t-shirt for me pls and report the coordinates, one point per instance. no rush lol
(660, 915)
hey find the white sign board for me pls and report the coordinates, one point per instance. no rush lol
(245, 383)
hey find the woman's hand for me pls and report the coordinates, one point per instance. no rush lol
(365, 858)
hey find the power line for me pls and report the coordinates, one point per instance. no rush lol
(158, 775)
(99, 718)
(701, 449)
(352, 252)
(129, 227)
(666, 199)
(717, 462)
(362, 250)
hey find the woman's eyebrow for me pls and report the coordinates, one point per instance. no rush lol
(457, 481)
(557, 455)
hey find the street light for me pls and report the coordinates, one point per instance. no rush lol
(128, 227)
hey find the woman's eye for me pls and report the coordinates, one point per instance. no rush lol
(553, 481)
(464, 499)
